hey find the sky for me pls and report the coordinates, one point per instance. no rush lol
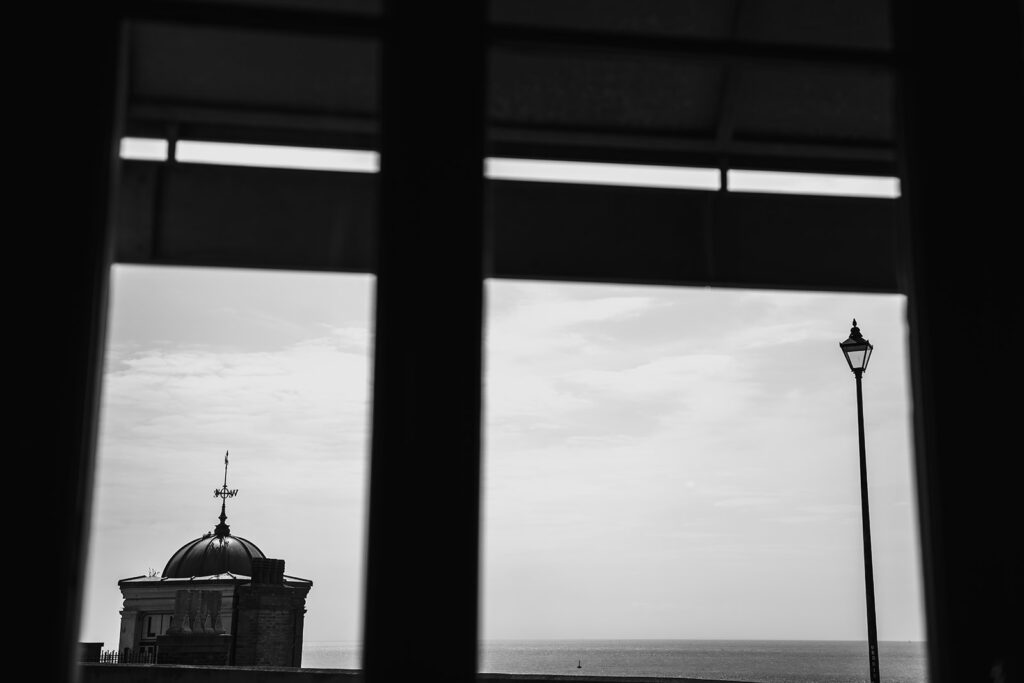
(658, 462)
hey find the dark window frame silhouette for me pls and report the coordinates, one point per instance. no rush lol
(940, 131)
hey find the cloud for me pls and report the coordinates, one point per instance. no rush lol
(744, 502)
(633, 436)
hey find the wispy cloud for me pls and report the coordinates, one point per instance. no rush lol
(745, 502)
(679, 431)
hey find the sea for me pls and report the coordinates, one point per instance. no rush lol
(752, 661)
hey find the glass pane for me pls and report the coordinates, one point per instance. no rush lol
(857, 358)
(672, 485)
(271, 366)
(849, 23)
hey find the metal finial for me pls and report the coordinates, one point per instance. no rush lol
(224, 493)
(855, 322)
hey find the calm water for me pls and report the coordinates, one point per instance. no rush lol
(757, 661)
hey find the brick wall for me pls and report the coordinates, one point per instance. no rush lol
(270, 618)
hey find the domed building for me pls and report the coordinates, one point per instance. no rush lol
(219, 600)
(214, 553)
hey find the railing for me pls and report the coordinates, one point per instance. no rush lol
(128, 656)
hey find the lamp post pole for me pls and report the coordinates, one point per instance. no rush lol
(858, 350)
(869, 575)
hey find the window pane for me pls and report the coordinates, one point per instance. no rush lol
(271, 366)
(668, 466)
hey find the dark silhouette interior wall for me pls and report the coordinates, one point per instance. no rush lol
(962, 108)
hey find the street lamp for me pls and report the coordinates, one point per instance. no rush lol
(858, 350)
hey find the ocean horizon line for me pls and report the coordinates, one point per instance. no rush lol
(755, 660)
(635, 639)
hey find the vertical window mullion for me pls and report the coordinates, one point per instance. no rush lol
(423, 545)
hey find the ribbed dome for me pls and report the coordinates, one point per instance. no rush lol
(213, 554)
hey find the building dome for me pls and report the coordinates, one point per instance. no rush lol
(213, 554)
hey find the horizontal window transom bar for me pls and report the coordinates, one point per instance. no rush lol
(532, 170)
(237, 216)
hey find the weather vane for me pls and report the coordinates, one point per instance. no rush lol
(224, 493)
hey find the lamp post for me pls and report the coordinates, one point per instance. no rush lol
(858, 350)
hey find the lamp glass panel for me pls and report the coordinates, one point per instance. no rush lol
(857, 356)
